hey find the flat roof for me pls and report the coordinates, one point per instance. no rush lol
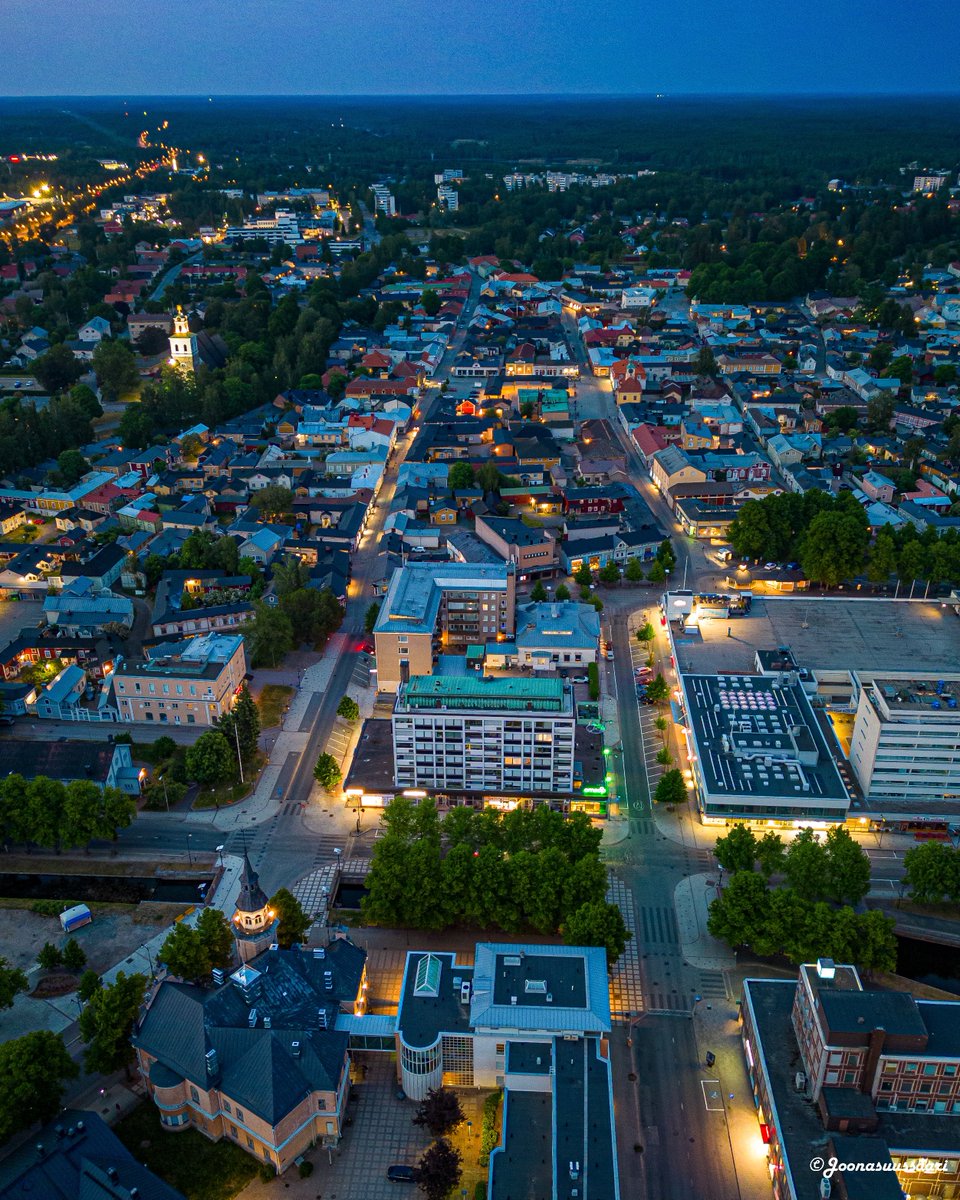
(429, 999)
(529, 1058)
(532, 978)
(770, 1001)
(413, 596)
(915, 695)
(522, 1168)
(513, 692)
(759, 738)
(871, 637)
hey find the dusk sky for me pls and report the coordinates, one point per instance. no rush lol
(363, 47)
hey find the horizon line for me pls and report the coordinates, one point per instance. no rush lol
(342, 96)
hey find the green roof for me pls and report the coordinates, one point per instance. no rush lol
(478, 691)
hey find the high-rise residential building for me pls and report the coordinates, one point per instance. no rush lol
(903, 748)
(481, 735)
(434, 608)
(448, 197)
(383, 200)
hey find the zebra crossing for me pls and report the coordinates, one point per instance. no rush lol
(713, 985)
(659, 926)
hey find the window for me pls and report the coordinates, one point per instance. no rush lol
(249, 1141)
(226, 1107)
(194, 1095)
(239, 1114)
(929, 1068)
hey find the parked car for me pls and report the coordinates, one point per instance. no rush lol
(580, 679)
(400, 1173)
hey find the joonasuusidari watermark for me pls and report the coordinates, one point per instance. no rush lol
(827, 1167)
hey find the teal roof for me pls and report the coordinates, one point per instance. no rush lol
(477, 691)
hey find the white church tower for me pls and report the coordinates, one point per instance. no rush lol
(183, 343)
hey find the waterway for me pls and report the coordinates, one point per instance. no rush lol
(103, 888)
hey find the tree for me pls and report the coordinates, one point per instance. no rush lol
(658, 689)
(706, 363)
(583, 575)
(593, 681)
(834, 547)
(241, 725)
(770, 854)
(666, 554)
(742, 911)
(848, 868)
(440, 1170)
(658, 572)
(90, 984)
(562, 592)
(273, 501)
(370, 616)
(327, 771)
(210, 758)
(883, 557)
(597, 924)
(184, 953)
(737, 850)
(805, 865)
(538, 592)
(115, 367)
(107, 1022)
(349, 709)
(460, 476)
(336, 385)
(12, 981)
(439, 1111)
(670, 788)
(664, 757)
(216, 936)
(634, 570)
(294, 922)
(269, 635)
(153, 340)
(33, 1070)
(191, 447)
(74, 956)
(72, 466)
(85, 398)
(932, 872)
(57, 369)
(49, 957)
(430, 302)
(609, 573)
(646, 633)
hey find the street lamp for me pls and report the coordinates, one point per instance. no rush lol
(189, 851)
(220, 850)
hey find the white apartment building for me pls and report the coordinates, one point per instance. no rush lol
(905, 746)
(383, 200)
(484, 735)
(448, 197)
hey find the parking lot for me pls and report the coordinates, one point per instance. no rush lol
(649, 734)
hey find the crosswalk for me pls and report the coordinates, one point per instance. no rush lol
(659, 926)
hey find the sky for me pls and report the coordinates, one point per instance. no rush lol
(447, 47)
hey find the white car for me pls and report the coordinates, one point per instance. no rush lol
(580, 679)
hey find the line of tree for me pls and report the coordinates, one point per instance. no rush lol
(830, 538)
(813, 913)
(53, 815)
(524, 870)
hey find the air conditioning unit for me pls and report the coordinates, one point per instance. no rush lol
(800, 1081)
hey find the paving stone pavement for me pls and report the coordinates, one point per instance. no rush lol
(626, 983)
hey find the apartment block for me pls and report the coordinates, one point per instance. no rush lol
(481, 735)
(433, 608)
(192, 682)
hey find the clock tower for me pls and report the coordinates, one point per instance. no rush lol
(254, 921)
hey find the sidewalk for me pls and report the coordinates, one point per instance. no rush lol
(691, 901)
(291, 740)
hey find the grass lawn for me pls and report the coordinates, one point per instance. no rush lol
(230, 793)
(273, 699)
(200, 1169)
(25, 533)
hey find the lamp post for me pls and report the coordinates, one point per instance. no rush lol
(189, 850)
(220, 850)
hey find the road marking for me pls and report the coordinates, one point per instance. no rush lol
(712, 1099)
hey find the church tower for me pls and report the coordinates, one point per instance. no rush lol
(183, 343)
(254, 922)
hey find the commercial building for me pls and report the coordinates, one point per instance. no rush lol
(193, 682)
(479, 735)
(535, 1021)
(904, 746)
(431, 608)
(870, 1079)
(757, 751)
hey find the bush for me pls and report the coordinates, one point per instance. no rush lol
(305, 1169)
(50, 908)
(267, 1172)
(480, 1190)
(49, 956)
(593, 681)
(489, 1131)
